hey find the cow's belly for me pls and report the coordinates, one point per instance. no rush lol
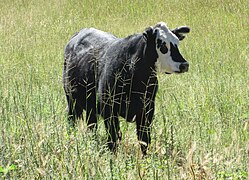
(129, 110)
(130, 115)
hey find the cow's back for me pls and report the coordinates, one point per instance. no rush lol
(88, 38)
(81, 54)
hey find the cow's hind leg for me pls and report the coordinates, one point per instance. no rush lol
(70, 111)
(75, 108)
(91, 106)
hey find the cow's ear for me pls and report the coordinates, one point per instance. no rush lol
(148, 33)
(181, 31)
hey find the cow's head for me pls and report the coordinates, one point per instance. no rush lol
(169, 59)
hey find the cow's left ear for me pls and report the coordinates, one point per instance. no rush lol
(181, 31)
(148, 33)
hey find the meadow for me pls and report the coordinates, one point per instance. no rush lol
(201, 125)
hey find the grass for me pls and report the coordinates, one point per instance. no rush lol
(201, 125)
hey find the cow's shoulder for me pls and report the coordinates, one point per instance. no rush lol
(123, 49)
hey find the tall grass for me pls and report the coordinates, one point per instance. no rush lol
(201, 125)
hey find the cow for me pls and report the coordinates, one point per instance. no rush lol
(116, 77)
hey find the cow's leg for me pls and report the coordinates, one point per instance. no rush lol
(75, 107)
(91, 106)
(75, 110)
(143, 123)
(112, 128)
(71, 112)
(113, 131)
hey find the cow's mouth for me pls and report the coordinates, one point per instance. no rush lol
(179, 72)
(183, 67)
(176, 72)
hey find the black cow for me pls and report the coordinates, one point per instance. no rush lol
(113, 77)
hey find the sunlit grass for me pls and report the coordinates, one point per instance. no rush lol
(201, 124)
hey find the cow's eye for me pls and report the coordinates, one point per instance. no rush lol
(164, 48)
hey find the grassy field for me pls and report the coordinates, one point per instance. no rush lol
(201, 125)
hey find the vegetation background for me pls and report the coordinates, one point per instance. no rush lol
(201, 125)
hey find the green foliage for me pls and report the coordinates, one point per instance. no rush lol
(201, 125)
(6, 170)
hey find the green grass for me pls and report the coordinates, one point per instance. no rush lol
(201, 125)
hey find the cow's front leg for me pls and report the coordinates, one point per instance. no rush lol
(112, 128)
(143, 134)
(143, 122)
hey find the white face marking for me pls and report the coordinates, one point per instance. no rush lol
(165, 63)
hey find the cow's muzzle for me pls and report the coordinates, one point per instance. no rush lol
(183, 67)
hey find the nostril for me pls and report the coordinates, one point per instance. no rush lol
(184, 67)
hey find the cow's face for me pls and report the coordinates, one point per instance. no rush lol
(169, 59)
